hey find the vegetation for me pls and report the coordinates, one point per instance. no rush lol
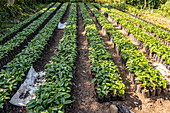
(138, 3)
(20, 37)
(15, 70)
(55, 93)
(157, 47)
(136, 62)
(106, 73)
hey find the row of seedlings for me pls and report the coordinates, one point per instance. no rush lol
(136, 13)
(155, 48)
(55, 93)
(25, 22)
(148, 27)
(153, 30)
(108, 83)
(17, 69)
(21, 36)
(147, 80)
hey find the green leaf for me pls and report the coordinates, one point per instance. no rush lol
(60, 94)
(60, 112)
(1, 105)
(30, 106)
(67, 96)
(93, 80)
(68, 102)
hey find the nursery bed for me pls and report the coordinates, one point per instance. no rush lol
(83, 91)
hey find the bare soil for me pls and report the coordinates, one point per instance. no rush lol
(135, 101)
(83, 89)
(162, 21)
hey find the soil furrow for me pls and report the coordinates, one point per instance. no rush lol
(14, 52)
(52, 43)
(19, 30)
(47, 53)
(152, 34)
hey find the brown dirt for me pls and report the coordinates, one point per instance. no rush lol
(135, 101)
(149, 33)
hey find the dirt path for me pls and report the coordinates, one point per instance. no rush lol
(136, 102)
(149, 33)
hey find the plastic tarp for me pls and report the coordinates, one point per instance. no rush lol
(26, 91)
(62, 26)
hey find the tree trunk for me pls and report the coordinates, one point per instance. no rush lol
(145, 4)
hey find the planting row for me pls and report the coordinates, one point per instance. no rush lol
(16, 69)
(135, 12)
(21, 36)
(142, 73)
(55, 93)
(21, 24)
(108, 83)
(152, 29)
(151, 43)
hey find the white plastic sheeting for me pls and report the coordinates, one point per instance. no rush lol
(62, 26)
(162, 69)
(26, 91)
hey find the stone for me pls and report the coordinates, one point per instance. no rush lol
(113, 109)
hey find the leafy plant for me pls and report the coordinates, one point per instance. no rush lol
(21, 36)
(21, 24)
(55, 93)
(107, 78)
(136, 62)
(157, 47)
(16, 69)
